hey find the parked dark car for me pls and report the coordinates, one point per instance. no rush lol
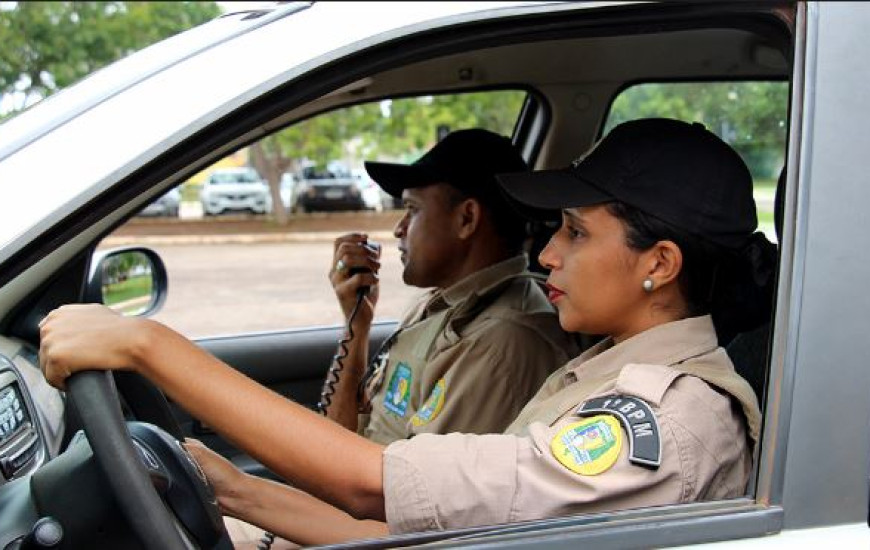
(335, 188)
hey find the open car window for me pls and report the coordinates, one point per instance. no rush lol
(230, 247)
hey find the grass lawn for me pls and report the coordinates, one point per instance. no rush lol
(135, 287)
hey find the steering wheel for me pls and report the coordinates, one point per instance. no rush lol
(123, 461)
(146, 402)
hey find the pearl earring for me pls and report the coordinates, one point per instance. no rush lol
(648, 284)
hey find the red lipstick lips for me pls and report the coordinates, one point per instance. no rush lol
(553, 293)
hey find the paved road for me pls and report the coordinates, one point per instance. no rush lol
(230, 288)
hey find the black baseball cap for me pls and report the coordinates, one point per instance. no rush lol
(678, 172)
(465, 159)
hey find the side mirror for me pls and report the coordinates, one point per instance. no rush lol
(129, 280)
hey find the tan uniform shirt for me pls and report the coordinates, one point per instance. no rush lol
(473, 363)
(669, 394)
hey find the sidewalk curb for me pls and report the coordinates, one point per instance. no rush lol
(240, 238)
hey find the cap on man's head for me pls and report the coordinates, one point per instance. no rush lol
(466, 159)
(678, 172)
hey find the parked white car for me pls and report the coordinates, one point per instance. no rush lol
(228, 189)
(374, 198)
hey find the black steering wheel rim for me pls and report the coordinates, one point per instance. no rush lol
(95, 397)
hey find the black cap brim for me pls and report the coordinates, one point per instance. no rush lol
(395, 178)
(542, 195)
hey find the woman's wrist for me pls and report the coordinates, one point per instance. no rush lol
(144, 334)
(237, 497)
(149, 344)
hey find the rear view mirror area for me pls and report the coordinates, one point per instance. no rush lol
(130, 280)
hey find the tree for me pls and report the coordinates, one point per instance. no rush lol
(47, 46)
(400, 129)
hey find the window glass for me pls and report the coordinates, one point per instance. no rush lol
(237, 261)
(749, 116)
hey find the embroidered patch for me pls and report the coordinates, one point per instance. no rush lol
(431, 407)
(399, 391)
(645, 446)
(588, 447)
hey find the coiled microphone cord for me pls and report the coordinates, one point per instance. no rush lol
(334, 372)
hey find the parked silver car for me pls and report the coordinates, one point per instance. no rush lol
(167, 204)
(234, 189)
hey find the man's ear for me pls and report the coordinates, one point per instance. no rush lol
(665, 262)
(468, 218)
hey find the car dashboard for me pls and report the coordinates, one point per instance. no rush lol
(32, 420)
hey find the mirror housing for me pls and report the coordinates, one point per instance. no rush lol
(130, 280)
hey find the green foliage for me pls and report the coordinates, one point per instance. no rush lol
(128, 289)
(47, 46)
(750, 116)
(395, 129)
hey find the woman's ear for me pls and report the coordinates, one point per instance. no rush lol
(665, 263)
(468, 217)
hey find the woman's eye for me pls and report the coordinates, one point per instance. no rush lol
(575, 233)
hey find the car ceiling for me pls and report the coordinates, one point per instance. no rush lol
(576, 76)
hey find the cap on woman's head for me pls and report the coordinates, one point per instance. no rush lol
(678, 172)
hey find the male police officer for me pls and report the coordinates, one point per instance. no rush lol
(479, 344)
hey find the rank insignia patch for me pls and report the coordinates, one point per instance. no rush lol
(431, 407)
(590, 446)
(399, 391)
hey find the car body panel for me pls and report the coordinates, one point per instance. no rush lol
(827, 352)
(812, 469)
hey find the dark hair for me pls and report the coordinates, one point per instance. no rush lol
(734, 286)
(508, 224)
(701, 259)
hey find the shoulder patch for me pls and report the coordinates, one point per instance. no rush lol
(399, 390)
(590, 446)
(432, 407)
(639, 422)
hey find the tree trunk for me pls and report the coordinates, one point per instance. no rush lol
(272, 167)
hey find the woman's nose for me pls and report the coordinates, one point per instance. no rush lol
(548, 256)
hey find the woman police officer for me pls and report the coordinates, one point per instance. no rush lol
(653, 221)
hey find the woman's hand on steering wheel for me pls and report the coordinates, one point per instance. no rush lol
(80, 337)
